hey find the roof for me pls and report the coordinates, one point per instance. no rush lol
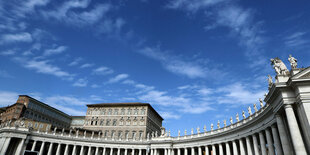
(124, 104)
(46, 105)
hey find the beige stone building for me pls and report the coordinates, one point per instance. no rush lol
(123, 120)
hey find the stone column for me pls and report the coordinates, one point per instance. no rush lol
(155, 151)
(255, 142)
(235, 149)
(89, 150)
(97, 150)
(269, 142)
(58, 149)
(74, 150)
(199, 150)
(19, 149)
(179, 151)
(248, 145)
(298, 143)
(125, 153)
(207, 150)
(33, 145)
(169, 151)
(42, 148)
(287, 149)
(221, 151)
(66, 149)
(50, 149)
(119, 151)
(262, 143)
(165, 152)
(227, 148)
(242, 150)
(82, 150)
(193, 151)
(276, 140)
(111, 151)
(185, 151)
(133, 152)
(213, 150)
(5, 145)
(104, 150)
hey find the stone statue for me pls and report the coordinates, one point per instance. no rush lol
(185, 132)
(192, 131)
(198, 130)
(179, 133)
(224, 122)
(205, 128)
(292, 61)
(237, 117)
(148, 136)
(270, 81)
(77, 133)
(218, 124)
(211, 126)
(279, 66)
(55, 129)
(261, 103)
(84, 134)
(169, 133)
(249, 110)
(156, 134)
(243, 114)
(231, 120)
(255, 108)
(153, 134)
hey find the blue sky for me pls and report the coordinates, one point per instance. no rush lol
(195, 61)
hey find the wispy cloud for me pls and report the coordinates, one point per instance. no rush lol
(75, 62)
(296, 39)
(102, 71)
(118, 78)
(8, 98)
(169, 115)
(176, 64)
(56, 50)
(87, 65)
(8, 52)
(192, 5)
(18, 37)
(80, 83)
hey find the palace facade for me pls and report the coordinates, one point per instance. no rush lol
(278, 126)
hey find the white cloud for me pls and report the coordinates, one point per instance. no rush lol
(75, 62)
(44, 67)
(102, 71)
(18, 37)
(112, 27)
(87, 65)
(169, 115)
(56, 50)
(175, 64)
(80, 83)
(8, 98)
(95, 86)
(118, 78)
(7, 52)
(192, 5)
(296, 39)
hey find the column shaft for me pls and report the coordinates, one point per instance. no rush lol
(89, 150)
(119, 151)
(166, 152)
(199, 150)
(33, 145)
(227, 148)
(125, 152)
(179, 151)
(213, 150)
(66, 149)
(20, 146)
(242, 150)
(133, 152)
(193, 151)
(207, 150)
(235, 149)
(50, 149)
(74, 150)
(82, 150)
(104, 150)
(269, 142)
(58, 149)
(185, 151)
(5, 145)
(298, 143)
(255, 142)
(262, 143)
(248, 146)
(42, 148)
(276, 139)
(287, 149)
(221, 151)
(111, 151)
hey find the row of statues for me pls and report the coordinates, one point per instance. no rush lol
(280, 67)
(224, 122)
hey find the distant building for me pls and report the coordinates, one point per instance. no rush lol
(123, 120)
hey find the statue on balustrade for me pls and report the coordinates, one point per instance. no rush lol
(293, 62)
(279, 66)
(261, 103)
(270, 81)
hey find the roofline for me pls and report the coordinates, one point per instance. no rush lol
(46, 105)
(124, 104)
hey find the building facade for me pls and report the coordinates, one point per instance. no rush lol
(123, 120)
(280, 126)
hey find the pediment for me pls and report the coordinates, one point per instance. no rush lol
(303, 74)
